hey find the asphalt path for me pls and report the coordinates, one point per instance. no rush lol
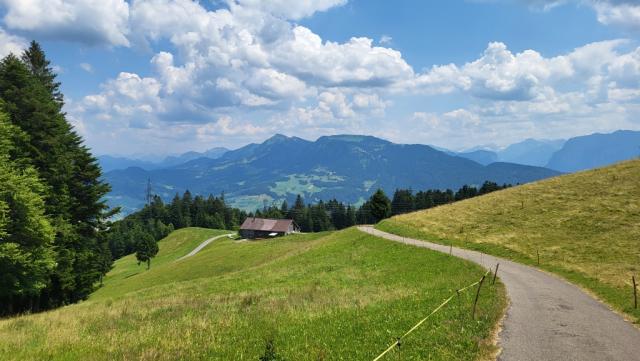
(548, 318)
(203, 245)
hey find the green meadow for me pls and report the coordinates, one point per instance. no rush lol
(327, 296)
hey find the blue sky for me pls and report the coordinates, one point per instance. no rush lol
(167, 76)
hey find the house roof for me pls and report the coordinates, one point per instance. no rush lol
(268, 225)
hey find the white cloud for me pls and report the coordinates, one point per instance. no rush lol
(249, 56)
(498, 74)
(251, 61)
(273, 84)
(463, 117)
(86, 67)
(129, 100)
(354, 63)
(292, 9)
(227, 126)
(622, 13)
(626, 15)
(430, 120)
(86, 21)
(385, 40)
(11, 44)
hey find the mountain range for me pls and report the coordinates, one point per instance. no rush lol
(576, 154)
(528, 152)
(596, 150)
(346, 167)
(351, 167)
(109, 163)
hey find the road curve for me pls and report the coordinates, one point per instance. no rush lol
(548, 318)
(203, 245)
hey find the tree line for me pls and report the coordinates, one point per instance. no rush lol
(52, 213)
(335, 215)
(136, 232)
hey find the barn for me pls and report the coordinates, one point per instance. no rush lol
(264, 228)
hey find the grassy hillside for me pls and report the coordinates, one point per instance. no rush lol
(343, 295)
(585, 226)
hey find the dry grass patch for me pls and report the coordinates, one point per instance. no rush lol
(585, 227)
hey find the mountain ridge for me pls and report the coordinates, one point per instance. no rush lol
(346, 167)
(596, 150)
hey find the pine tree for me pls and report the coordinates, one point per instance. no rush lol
(380, 205)
(73, 201)
(298, 214)
(403, 201)
(351, 216)
(39, 66)
(175, 213)
(187, 204)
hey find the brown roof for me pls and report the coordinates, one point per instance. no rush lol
(267, 225)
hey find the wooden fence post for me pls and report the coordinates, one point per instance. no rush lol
(635, 292)
(495, 274)
(473, 313)
(538, 253)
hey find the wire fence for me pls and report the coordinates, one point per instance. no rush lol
(440, 307)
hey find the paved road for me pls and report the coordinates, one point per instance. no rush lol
(203, 245)
(549, 318)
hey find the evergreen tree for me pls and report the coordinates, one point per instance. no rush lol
(39, 66)
(488, 187)
(26, 235)
(403, 201)
(74, 194)
(319, 217)
(187, 204)
(380, 205)
(175, 213)
(298, 213)
(350, 217)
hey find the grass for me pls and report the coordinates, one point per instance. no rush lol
(585, 227)
(329, 296)
(303, 184)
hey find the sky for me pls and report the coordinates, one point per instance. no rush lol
(168, 76)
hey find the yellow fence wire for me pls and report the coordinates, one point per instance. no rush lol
(426, 318)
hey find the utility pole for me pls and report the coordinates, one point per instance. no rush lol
(148, 195)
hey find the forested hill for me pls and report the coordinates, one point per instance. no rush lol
(52, 251)
(345, 167)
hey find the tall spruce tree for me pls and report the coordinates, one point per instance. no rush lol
(380, 205)
(73, 201)
(39, 66)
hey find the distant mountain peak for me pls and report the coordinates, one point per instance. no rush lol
(276, 138)
(352, 138)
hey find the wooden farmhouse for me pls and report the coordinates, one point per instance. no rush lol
(265, 228)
